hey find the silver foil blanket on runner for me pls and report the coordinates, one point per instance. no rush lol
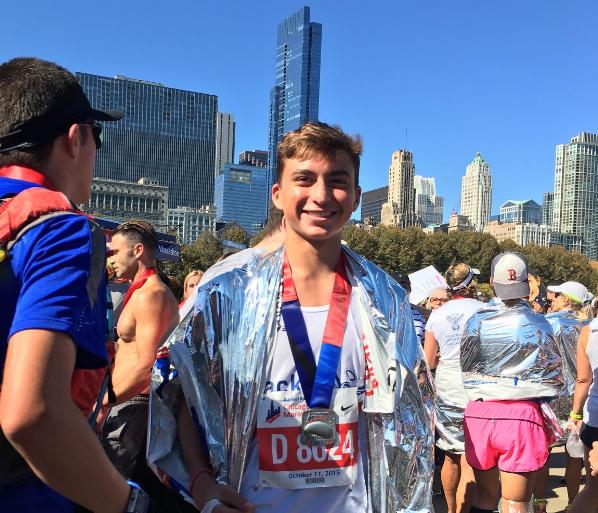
(566, 328)
(451, 400)
(510, 353)
(220, 353)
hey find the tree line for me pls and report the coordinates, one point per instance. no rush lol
(408, 250)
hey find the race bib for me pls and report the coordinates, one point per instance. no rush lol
(285, 462)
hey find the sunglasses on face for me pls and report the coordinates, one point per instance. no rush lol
(96, 131)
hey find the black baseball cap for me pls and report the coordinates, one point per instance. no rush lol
(71, 108)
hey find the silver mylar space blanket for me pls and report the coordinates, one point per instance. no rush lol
(510, 353)
(219, 355)
(566, 328)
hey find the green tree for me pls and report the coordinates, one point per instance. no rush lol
(200, 255)
(362, 241)
(235, 233)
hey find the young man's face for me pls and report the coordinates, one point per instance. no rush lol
(317, 195)
(122, 257)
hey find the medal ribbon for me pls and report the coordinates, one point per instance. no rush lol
(27, 175)
(138, 283)
(317, 381)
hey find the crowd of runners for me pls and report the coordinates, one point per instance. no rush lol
(292, 376)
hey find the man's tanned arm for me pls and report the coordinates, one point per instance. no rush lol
(41, 421)
(156, 313)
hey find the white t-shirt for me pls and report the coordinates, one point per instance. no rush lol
(447, 323)
(283, 376)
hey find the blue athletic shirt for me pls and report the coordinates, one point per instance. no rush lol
(54, 279)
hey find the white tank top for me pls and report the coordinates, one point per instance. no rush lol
(590, 416)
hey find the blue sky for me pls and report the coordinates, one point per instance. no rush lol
(511, 79)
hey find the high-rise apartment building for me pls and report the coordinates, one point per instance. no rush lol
(168, 134)
(295, 97)
(428, 207)
(516, 211)
(371, 205)
(241, 194)
(575, 204)
(399, 210)
(476, 193)
(225, 141)
(257, 158)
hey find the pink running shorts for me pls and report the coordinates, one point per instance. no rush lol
(507, 434)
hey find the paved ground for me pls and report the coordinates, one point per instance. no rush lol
(556, 492)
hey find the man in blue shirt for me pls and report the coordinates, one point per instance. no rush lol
(53, 309)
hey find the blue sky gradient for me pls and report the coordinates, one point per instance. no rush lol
(511, 79)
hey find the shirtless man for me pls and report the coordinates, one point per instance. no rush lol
(149, 311)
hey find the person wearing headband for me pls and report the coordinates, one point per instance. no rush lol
(567, 316)
(443, 338)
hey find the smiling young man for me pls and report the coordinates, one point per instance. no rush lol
(326, 359)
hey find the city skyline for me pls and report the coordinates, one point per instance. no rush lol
(425, 88)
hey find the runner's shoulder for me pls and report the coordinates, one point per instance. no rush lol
(155, 291)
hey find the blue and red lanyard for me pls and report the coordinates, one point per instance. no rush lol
(317, 381)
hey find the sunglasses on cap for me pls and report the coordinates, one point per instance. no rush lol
(96, 131)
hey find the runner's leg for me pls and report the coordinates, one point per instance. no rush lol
(540, 487)
(486, 488)
(588, 494)
(450, 475)
(466, 488)
(516, 491)
(573, 476)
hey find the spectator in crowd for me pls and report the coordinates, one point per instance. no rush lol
(437, 298)
(567, 317)
(191, 282)
(443, 338)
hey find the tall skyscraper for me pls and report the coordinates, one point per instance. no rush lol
(428, 207)
(575, 203)
(225, 141)
(241, 194)
(167, 134)
(295, 97)
(371, 205)
(476, 193)
(399, 210)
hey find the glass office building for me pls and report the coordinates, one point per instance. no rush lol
(168, 134)
(241, 194)
(295, 97)
(515, 211)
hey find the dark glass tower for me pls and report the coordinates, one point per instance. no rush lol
(166, 134)
(295, 97)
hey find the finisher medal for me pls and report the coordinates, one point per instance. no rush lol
(319, 421)
(318, 427)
